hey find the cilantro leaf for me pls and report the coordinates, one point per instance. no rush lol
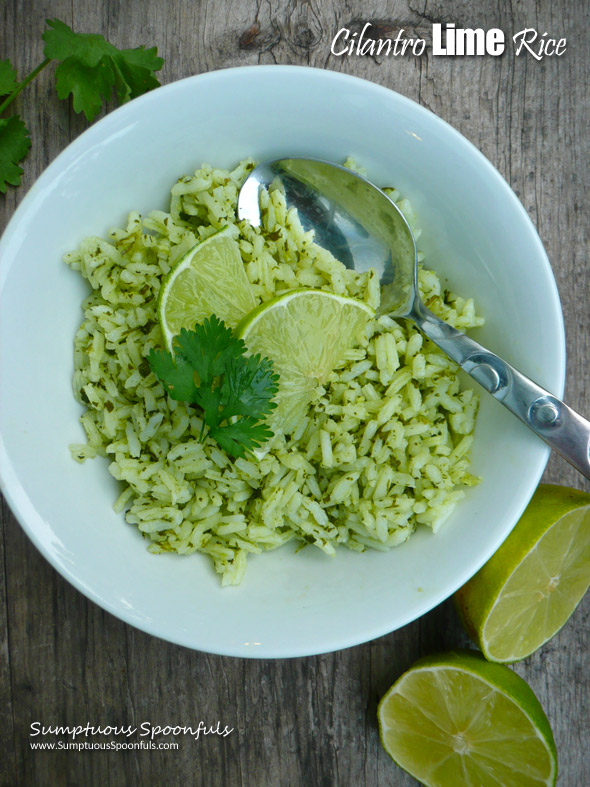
(14, 146)
(134, 71)
(210, 399)
(209, 348)
(246, 433)
(91, 68)
(210, 368)
(248, 387)
(8, 81)
(62, 42)
(175, 374)
(89, 86)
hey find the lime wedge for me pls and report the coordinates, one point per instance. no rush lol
(306, 334)
(209, 279)
(456, 719)
(529, 588)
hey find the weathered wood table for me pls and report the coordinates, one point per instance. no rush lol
(307, 721)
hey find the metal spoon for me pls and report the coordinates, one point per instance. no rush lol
(364, 229)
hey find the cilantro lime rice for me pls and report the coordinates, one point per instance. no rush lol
(383, 448)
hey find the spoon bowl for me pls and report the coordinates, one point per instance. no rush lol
(363, 228)
(351, 218)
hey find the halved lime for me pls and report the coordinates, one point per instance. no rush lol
(529, 588)
(209, 279)
(306, 333)
(455, 719)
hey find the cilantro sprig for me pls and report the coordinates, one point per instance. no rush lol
(90, 69)
(209, 368)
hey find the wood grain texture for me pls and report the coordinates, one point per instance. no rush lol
(308, 721)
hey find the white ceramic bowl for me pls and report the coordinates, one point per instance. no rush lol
(476, 233)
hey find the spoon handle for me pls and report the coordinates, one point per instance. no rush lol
(550, 418)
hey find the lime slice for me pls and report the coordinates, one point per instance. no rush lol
(209, 279)
(305, 333)
(529, 588)
(456, 719)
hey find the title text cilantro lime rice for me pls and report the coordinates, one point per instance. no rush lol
(384, 446)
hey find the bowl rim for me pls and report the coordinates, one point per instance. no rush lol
(15, 494)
